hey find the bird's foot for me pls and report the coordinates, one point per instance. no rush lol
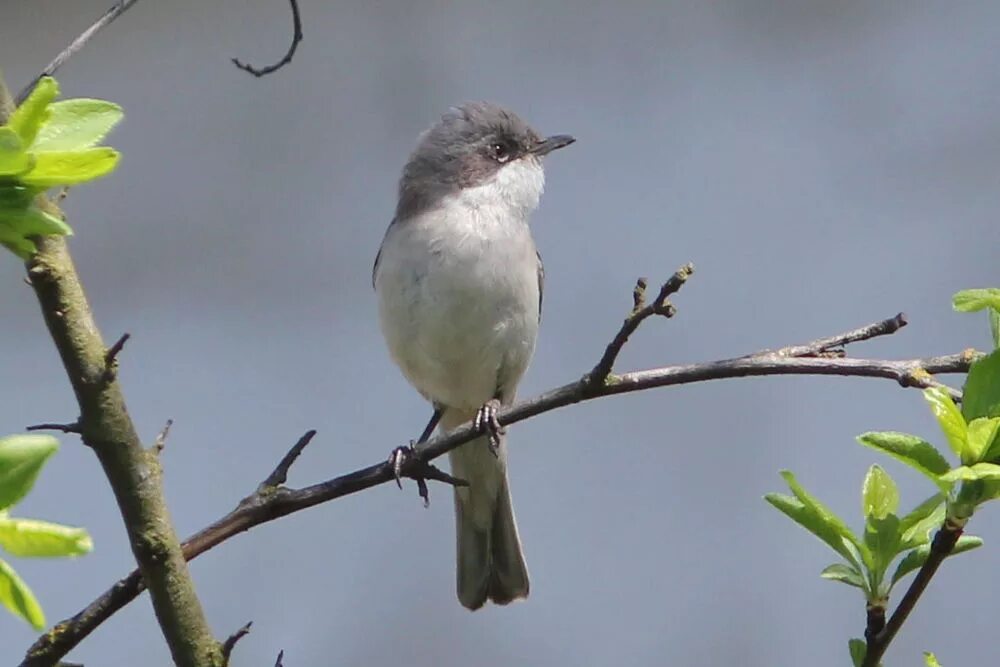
(405, 462)
(486, 422)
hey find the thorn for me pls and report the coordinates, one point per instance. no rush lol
(111, 356)
(72, 427)
(279, 475)
(230, 643)
(161, 439)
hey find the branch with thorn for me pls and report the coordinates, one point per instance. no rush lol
(106, 427)
(273, 499)
(230, 643)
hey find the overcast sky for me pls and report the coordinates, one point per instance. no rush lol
(824, 165)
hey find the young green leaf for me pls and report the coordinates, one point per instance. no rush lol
(819, 508)
(914, 560)
(984, 471)
(13, 159)
(815, 524)
(916, 527)
(858, 649)
(27, 119)
(981, 395)
(71, 167)
(21, 459)
(76, 124)
(950, 419)
(879, 495)
(971, 300)
(18, 598)
(984, 438)
(847, 574)
(40, 539)
(882, 538)
(911, 450)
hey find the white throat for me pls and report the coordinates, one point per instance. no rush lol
(516, 187)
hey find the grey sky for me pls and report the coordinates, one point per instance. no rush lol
(823, 164)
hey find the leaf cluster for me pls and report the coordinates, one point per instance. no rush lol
(901, 543)
(21, 460)
(45, 144)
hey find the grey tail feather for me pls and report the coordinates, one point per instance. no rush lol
(490, 561)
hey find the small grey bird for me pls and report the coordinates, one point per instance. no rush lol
(459, 287)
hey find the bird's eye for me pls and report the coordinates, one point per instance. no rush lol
(500, 152)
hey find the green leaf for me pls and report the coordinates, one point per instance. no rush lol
(846, 574)
(981, 395)
(995, 327)
(29, 538)
(18, 598)
(916, 527)
(971, 300)
(833, 526)
(984, 437)
(879, 495)
(27, 119)
(808, 519)
(914, 560)
(882, 538)
(71, 167)
(858, 649)
(21, 459)
(16, 196)
(986, 471)
(911, 450)
(18, 226)
(13, 159)
(930, 660)
(33, 221)
(76, 124)
(950, 419)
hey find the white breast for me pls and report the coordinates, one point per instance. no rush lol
(458, 290)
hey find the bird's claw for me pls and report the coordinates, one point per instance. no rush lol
(486, 421)
(398, 459)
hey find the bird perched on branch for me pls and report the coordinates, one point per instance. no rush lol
(459, 287)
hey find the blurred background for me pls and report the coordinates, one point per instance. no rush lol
(823, 164)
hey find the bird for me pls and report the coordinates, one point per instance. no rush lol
(458, 281)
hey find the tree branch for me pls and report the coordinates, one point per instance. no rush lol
(640, 312)
(105, 426)
(287, 58)
(114, 12)
(272, 500)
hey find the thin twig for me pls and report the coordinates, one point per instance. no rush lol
(941, 547)
(275, 501)
(230, 643)
(287, 58)
(72, 427)
(114, 12)
(821, 345)
(640, 312)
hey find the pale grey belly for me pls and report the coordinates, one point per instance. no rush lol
(460, 322)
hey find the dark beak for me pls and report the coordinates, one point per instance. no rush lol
(546, 146)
